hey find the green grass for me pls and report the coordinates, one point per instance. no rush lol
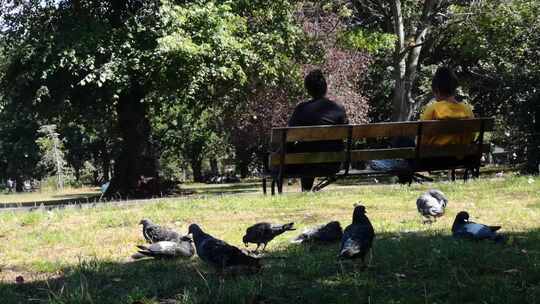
(82, 255)
(49, 195)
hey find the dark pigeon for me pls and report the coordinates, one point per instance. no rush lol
(463, 228)
(154, 233)
(358, 236)
(166, 250)
(331, 232)
(218, 253)
(262, 233)
(432, 204)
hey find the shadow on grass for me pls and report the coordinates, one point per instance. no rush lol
(404, 268)
(224, 188)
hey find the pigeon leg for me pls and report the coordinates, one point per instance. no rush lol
(257, 249)
(264, 247)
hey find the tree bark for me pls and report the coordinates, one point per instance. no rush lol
(196, 167)
(400, 64)
(214, 166)
(136, 162)
(533, 147)
(406, 61)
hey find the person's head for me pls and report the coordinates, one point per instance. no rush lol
(315, 84)
(444, 83)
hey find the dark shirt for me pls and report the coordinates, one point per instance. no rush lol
(317, 112)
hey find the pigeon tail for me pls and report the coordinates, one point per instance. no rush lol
(494, 228)
(138, 256)
(288, 227)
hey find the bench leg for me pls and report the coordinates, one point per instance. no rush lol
(453, 175)
(273, 187)
(280, 186)
(264, 185)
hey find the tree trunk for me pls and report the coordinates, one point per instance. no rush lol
(214, 166)
(196, 167)
(406, 61)
(243, 158)
(533, 147)
(400, 65)
(136, 163)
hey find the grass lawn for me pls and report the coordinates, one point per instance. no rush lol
(82, 255)
(43, 196)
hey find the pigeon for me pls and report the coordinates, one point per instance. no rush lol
(218, 253)
(358, 237)
(262, 233)
(166, 249)
(431, 205)
(330, 232)
(154, 233)
(463, 228)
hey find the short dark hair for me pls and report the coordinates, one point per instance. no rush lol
(445, 81)
(315, 84)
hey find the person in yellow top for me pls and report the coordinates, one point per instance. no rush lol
(445, 106)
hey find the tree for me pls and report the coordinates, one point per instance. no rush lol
(111, 63)
(415, 27)
(497, 54)
(52, 150)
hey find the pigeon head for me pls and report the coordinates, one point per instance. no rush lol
(334, 225)
(462, 216)
(145, 222)
(359, 214)
(245, 240)
(461, 219)
(194, 229)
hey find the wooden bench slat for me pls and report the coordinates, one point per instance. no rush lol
(460, 126)
(388, 129)
(372, 154)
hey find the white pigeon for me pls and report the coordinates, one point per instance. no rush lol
(431, 205)
(166, 250)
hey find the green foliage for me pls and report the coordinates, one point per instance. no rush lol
(375, 43)
(498, 52)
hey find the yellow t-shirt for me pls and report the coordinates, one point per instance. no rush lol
(441, 110)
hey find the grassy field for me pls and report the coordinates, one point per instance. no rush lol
(82, 255)
(43, 196)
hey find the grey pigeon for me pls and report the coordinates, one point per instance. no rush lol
(331, 232)
(262, 233)
(166, 249)
(431, 204)
(358, 237)
(154, 233)
(463, 228)
(218, 253)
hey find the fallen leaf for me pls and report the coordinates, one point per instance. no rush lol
(513, 270)
(19, 279)
(400, 275)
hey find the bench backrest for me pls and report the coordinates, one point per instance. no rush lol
(351, 133)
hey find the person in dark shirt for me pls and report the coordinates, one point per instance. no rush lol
(317, 111)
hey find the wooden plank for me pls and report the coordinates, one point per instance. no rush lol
(453, 150)
(337, 157)
(372, 154)
(388, 129)
(456, 126)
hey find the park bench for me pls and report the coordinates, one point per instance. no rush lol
(357, 149)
